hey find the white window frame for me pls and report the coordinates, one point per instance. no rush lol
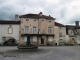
(50, 30)
(60, 34)
(34, 29)
(10, 30)
(26, 31)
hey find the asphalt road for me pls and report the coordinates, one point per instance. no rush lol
(43, 53)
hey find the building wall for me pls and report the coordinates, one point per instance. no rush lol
(4, 31)
(63, 31)
(43, 26)
(74, 34)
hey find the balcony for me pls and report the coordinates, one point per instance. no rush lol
(25, 34)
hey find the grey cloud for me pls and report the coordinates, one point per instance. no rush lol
(75, 17)
(57, 10)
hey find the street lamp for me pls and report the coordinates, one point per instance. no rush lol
(38, 34)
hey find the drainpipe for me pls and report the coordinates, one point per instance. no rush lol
(59, 35)
(38, 34)
(1, 32)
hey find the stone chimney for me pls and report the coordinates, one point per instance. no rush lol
(16, 17)
(49, 16)
(77, 23)
(40, 13)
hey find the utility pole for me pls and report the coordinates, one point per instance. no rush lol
(38, 34)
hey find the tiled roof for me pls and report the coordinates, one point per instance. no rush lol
(9, 22)
(71, 25)
(36, 16)
(59, 24)
(76, 27)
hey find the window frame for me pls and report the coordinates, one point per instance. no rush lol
(27, 20)
(9, 30)
(49, 30)
(49, 21)
(35, 20)
(27, 29)
(60, 34)
(61, 41)
(34, 30)
(42, 20)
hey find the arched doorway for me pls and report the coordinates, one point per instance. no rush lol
(73, 41)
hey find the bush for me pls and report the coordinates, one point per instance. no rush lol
(0, 44)
(68, 44)
(9, 42)
(5, 43)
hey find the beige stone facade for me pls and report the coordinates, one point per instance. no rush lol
(43, 24)
(60, 35)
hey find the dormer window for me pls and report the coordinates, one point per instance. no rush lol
(27, 19)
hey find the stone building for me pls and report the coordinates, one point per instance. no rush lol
(38, 28)
(60, 34)
(9, 29)
(73, 31)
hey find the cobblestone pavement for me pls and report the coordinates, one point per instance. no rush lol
(42, 53)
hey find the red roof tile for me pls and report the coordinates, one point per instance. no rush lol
(9, 22)
(36, 16)
(74, 26)
(59, 24)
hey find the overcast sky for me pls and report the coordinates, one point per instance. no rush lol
(65, 11)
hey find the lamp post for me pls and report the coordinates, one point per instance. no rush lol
(59, 35)
(38, 34)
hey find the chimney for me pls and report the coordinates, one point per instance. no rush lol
(49, 16)
(77, 23)
(40, 13)
(16, 17)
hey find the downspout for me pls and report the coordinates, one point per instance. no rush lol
(1, 33)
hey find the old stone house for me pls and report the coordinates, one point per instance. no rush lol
(60, 34)
(38, 27)
(73, 32)
(9, 29)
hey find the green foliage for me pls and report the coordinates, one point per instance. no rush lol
(68, 44)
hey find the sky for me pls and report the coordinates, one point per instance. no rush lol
(65, 11)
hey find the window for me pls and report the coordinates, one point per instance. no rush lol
(10, 30)
(42, 20)
(26, 29)
(49, 20)
(27, 19)
(49, 30)
(4, 38)
(60, 40)
(34, 29)
(60, 34)
(35, 20)
(60, 27)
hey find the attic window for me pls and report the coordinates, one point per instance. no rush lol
(42, 20)
(49, 20)
(35, 20)
(27, 19)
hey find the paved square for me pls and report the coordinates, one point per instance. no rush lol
(43, 53)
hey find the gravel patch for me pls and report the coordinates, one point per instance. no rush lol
(26, 53)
